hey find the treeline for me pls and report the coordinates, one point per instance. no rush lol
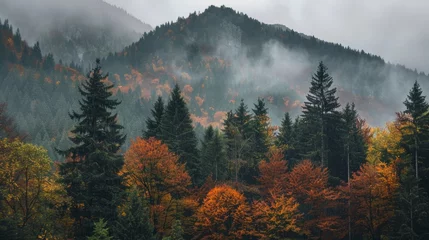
(324, 175)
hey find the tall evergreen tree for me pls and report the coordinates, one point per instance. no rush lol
(260, 124)
(206, 157)
(213, 157)
(179, 135)
(411, 220)
(319, 112)
(285, 137)
(354, 145)
(243, 142)
(153, 125)
(91, 175)
(416, 129)
(134, 224)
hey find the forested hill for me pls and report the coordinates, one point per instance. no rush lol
(78, 30)
(225, 55)
(218, 57)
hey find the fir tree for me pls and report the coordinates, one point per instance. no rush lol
(153, 124)
(91, 175)
(285, 137)
(319, 111)
(134, 224)
(260, 124)
(213, 159)
(416, 130)
(411, 220)
(37, 53)
(354, 145)
(178, 133)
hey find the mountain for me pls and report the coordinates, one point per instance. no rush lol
(218, 57)
(224, 55)
(77, 31)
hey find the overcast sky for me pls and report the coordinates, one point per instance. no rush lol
(396, 30)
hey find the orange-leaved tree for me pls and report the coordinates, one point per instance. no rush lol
(277, 217)
(223, 215)
(156, 171)
(308, 183)
(372, 198)
(273, 173)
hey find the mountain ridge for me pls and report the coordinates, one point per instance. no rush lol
(72, 31)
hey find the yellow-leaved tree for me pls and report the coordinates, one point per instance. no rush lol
(31, 199)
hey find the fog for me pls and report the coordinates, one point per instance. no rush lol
(77, 30)
(393, 29)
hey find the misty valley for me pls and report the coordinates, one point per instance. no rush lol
(213, 126)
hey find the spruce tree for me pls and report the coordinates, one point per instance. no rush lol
(213, 158)
(91, 173)
(179, 135)
(354, 145)
(416, 130)
(153, 125)
(134, 224)
(260, 124)
(243, 142)
(411, 220)
(285, 137)
(320, 112)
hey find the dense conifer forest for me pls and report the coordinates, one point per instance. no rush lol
(193, 132)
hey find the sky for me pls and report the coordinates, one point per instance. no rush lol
(395, 30)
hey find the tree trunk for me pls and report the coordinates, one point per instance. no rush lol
(416, 157)
(323, 144)
(348, 181)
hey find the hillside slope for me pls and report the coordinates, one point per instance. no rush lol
(78, 30)
(218, 58)
(224, 55)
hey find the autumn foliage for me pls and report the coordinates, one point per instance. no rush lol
(153, 169)
(372, 198)
(223, 215)
(308, 183)
(273, 174)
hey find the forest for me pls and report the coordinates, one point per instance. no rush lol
(161, 141)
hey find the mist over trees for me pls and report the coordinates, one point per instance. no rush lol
(196, 132)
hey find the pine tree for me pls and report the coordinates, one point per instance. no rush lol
(411, 220)
(36, 54)
(179, 135)
(354, 145)
(17, 40)
(319, 111)
(260, 124)
(134, 223)
(206, 157)
(213, 158)
(285, 137)
(289, 139)
(416, 129)
(91, 173)
(153, 124)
